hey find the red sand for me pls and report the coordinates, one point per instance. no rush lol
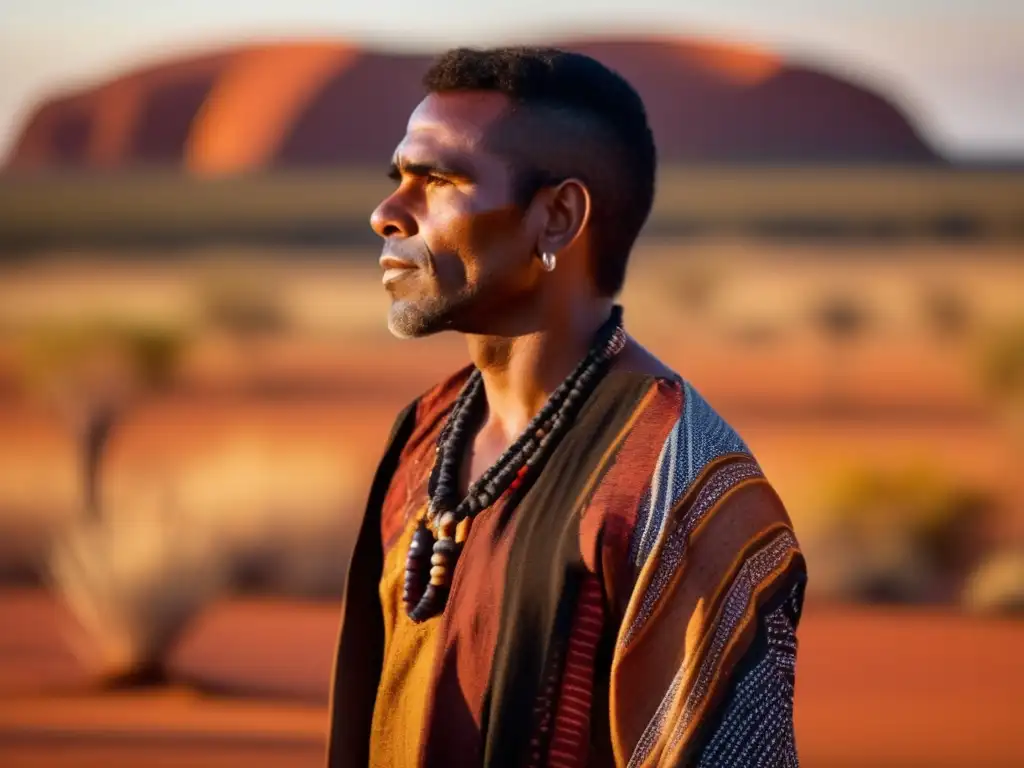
(875, 687)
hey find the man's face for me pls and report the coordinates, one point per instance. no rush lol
(457, 250)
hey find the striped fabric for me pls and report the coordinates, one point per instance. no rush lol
(570, 738)
(699, 436)
(635, 605)
(757, 725)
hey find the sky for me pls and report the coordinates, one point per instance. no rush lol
(955, 66)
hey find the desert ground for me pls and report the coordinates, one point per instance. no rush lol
(274, 438)
(875, 687)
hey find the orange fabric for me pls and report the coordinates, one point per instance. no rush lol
(469, 635)
(678, 661)
(409, 651)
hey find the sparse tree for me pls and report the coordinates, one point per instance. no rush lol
(242, 307)
(695, 286)
(842, 318)
(92, 372)
(946, 312)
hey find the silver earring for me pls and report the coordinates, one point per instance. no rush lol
(548, 261)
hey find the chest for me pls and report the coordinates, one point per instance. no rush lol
(479, 455)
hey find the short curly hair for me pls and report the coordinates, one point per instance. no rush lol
(572, 116)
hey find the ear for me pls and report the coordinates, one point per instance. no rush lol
(567, 207)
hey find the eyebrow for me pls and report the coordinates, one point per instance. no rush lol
(446, 168)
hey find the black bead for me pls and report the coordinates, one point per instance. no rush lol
(503, 475)
(528, 450)
(446, 547)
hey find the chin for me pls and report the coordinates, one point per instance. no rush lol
(400, 331)
(411, 321)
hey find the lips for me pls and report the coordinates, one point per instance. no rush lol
(395, 268)
(393, 262)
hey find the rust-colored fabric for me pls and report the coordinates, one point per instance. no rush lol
(628, 608)
(470, 635)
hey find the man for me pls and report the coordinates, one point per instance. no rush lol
(567, 558)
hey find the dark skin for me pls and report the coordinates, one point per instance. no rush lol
(460, 255)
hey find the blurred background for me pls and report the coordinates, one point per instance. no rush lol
(196, 378)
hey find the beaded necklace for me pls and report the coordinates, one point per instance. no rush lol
(444, 527)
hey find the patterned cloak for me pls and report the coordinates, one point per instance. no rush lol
(636, 605)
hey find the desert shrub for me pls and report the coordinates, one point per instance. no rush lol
(754, 332)
(281, 517)
(242, 307)
(77, 353)
(946, 312)
(1002, 362)
(248, 518)
(841, 317)
(895, 535)
(997, 585)
(133, 584)
(695, 286)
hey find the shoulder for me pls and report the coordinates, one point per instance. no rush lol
(690, 431)
(681, 473)
(709, 512)
(698, 447)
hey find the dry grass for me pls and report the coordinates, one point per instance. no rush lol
(895, 534)
(997, 586)
(133, 584)
(248, 515)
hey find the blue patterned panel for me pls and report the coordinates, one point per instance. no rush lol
(699, 437)
(757, 727)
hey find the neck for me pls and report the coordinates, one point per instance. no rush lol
(520, 372)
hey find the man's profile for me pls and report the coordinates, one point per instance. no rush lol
(567, 557)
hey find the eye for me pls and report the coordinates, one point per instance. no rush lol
(434, 180)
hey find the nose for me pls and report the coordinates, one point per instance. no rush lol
(392, 218)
